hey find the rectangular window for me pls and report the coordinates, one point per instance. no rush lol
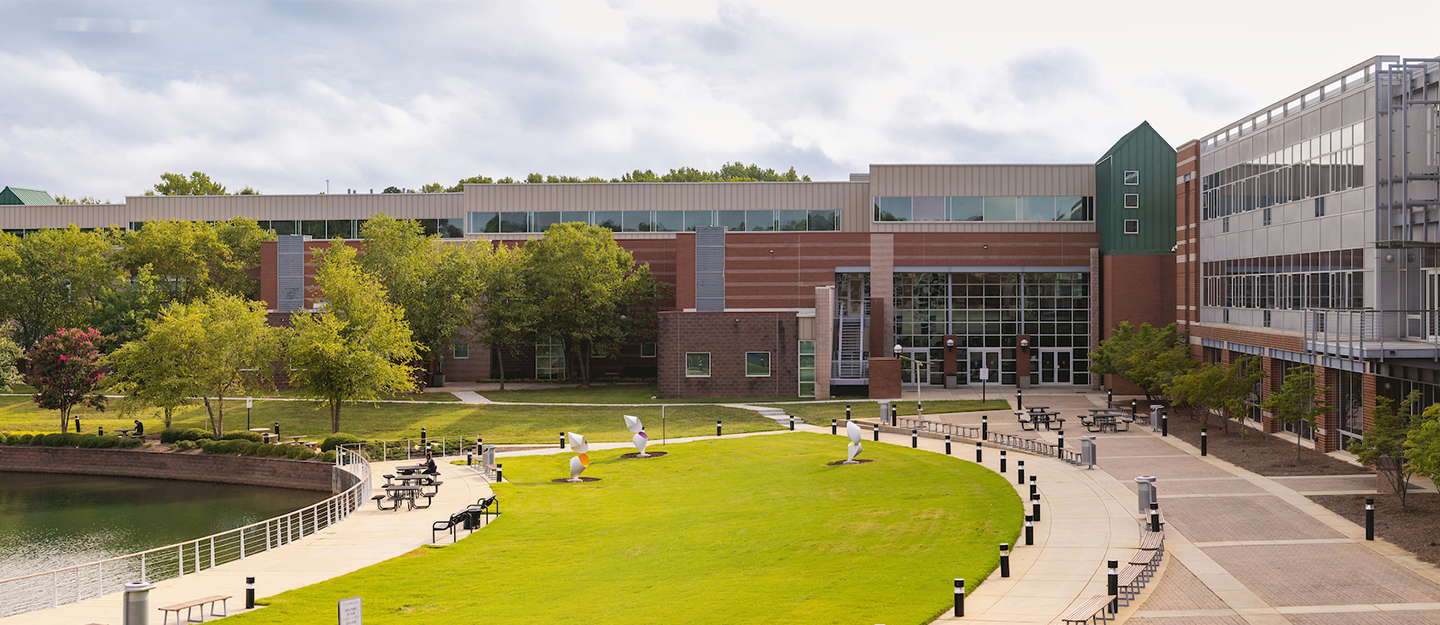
(1132, 226)
(789, 220)
(760, 221)
(807, 368)
(575, 217)
(757, 364)
(892, 209)
(927, 209)
(734, 221)
(1040, 208)
(343, 228)
(824, 220)
(542, 220)
(1132, 178)
(1001, 208)
(607, 219)
(1072, 208)
(462, 351)
(282, 228)
(697, 364)
(636, 221)
(966, 209)
(313, 229)
(483, 222)
(668, 221)
(448, 229)
(647, 350)
(1132, 200)
(549, 359)
(695, 219)
(514, 222)
(1266, 217)
(1319, 207)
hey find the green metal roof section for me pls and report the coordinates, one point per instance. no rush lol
(1141, 150)
(12, 196)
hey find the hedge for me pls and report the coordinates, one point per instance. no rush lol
(85, 441)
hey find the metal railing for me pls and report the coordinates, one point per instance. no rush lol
(413, 448)
(1345, 332)
(973, 434)
(95, 579)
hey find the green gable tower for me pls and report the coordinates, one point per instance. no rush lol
(1135, 215)
(12, 196)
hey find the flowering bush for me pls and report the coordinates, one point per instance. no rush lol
(65, 371)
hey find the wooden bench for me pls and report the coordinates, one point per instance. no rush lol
(1093, 608)
(189, 607)
(1132, 579)
(1153, 541)
(1148, 561)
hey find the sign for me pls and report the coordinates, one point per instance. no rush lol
(350, 611)
(984, 374)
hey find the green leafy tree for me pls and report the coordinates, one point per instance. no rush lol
(121, 314)
(1384, 443)
(433, 187)
(587, 288)
(1200, 391)
(199, 183)
(237, 270)
(1422, 445)
(65, 371)
(60, 199)
(179, 253)
(248, 191)
(358, 346)
(460, 186)
(1149, 357)
(392, 190)
(1298, 401)
(51, 279)
(153, 370)
(506, 315)
(9, 354)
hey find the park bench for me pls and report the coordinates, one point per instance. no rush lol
(1132, 579)
(451, 524)
(482, 506)
(1093, 609)
(189, 607)
(1154, 541)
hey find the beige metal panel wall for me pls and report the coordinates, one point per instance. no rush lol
(1002, 226)
(940, 180)
(665, 196)
(299, 207)
(62, 216)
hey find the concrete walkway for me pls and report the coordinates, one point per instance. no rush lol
(368, 537)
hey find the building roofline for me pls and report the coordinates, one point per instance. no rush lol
(1264, 112)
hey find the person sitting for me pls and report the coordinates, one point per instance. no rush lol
(139, 429)
(430, 466)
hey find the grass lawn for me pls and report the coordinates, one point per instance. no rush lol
(754, 530)
(496, 424)
(816, 413)
(291, 393)
(618, 394)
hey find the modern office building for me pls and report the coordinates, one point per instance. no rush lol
(1308, 236)
(1009, 273)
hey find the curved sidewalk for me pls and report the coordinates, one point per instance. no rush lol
(368, 537)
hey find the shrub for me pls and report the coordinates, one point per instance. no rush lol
(87, 441)
(24, 439)
(184, 445)
(328, 456)
(127, 443)
(60, 440)
(108, 442)
(263, 449)
(171, 435)
(279, 451)
(253, 437)
(12, 439)
(293, 451)
(340, 438)
(38, 441)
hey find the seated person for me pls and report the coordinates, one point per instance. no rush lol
(139, 429)
(430, 466)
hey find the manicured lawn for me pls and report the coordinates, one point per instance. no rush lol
(605, 394)
(291, 393)
(822, 413)
(754, 530)
(496, 424)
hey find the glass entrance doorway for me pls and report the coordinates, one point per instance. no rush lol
(931, 363)
(986, 359)
(1054, 366)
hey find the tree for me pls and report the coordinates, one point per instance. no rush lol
(60, 199)
(235, 272)
(190, 258)
(392, 190)
(65, 371)
(1200, 391)
(1422, 445)
(1296, 403)
(9, 354)
(51, 279)
(1149, 358)
(121, 314)
(248, 191)
(586, 288)
(222, 346)
(1383, 446)
(506, 314)
(153, 370)
(433, 187)
(460, 186)
(357, 347)
(198, 184)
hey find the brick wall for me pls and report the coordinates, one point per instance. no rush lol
(727, 337)
(276, 472)
(884, 378)
(1135, 288)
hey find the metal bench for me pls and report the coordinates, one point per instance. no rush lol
(1093, 609)
(451, 524)
(189, 607)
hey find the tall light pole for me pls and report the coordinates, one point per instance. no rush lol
(914, 372)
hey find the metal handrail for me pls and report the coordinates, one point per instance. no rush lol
(407, 448)
(1039, 448)
(95, 579)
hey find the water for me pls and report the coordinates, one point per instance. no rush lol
(50, 521)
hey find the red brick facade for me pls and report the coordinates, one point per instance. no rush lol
(727, 337)
(273, 472)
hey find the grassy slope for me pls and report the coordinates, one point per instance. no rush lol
(604, 394)
(822, 413)
(497, 424)
(755, 530)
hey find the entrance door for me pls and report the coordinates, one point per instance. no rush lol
(986, 358)
(911, 359)
(1054, 366)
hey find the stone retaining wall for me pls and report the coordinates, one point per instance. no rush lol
(247, 470)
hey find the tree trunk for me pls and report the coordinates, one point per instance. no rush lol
(334, 417)
(219, 417)
(500, 352)
(210, 410)
(64, 420)
(167, 417)
(585, 366)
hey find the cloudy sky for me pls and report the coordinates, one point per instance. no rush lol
(99, 98)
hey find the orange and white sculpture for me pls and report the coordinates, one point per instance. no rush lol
(579, 445)
(853, 431)
(641, 438)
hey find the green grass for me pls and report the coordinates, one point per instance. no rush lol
(618, 394)
(754, 530)
(496, 424)
(296, 394)
(822, 413)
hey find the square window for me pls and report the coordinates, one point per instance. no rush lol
(1132, 200)
(1319, 207)
(462, 351)
(697, 364)
(647, 350)
(757, 364)
(1132, 178)
(1132, 226)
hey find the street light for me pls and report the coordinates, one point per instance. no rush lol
(914, 373)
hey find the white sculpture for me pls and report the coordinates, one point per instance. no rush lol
(633, 424)
(853, 431)
(579, 445)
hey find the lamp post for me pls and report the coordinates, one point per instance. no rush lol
(914, 372)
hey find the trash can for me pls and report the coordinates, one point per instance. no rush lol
(1087, 451)
(884, 412)
(136, 608)
(1155, 417)
(1146, 492)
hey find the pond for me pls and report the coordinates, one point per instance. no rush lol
(49, 521)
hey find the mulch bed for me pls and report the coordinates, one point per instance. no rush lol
(566, 480)
(652, 454)
(1257, 451)
(856, 461)
(1412, 528)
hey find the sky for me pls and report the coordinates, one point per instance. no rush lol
(99, 98)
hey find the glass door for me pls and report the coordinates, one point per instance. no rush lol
(987, 359)
(937, 366)
(914, 357)
(1054, 366)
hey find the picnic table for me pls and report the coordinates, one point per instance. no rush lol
(411, 468)
(265, 434)
(402, 493)
(1035, 418)
(1113, 420)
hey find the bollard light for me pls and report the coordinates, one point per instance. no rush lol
(1032, 487)
(469, 458)
(984, 427)
(979, 453)
(1109, 398)
(1154, 516)
(1002, 460)
(717, 427)
(1060, 445)
(1020, 472)
(1204, 442)
(947, 444)
(562, 440)
(914, 439)
(847, 412)
(1114, 585)
(792, 423)
(877, 432)
(1019, 403)
(1029, 531)
(101, 429)
(499, 473)
(1164, 423)
(1369, 518)
(249, 593)
(833, 427)
(1004, 559)
(1035, 506)
(276, 427)
(77, 425)
(895, 415)
(959, 597)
